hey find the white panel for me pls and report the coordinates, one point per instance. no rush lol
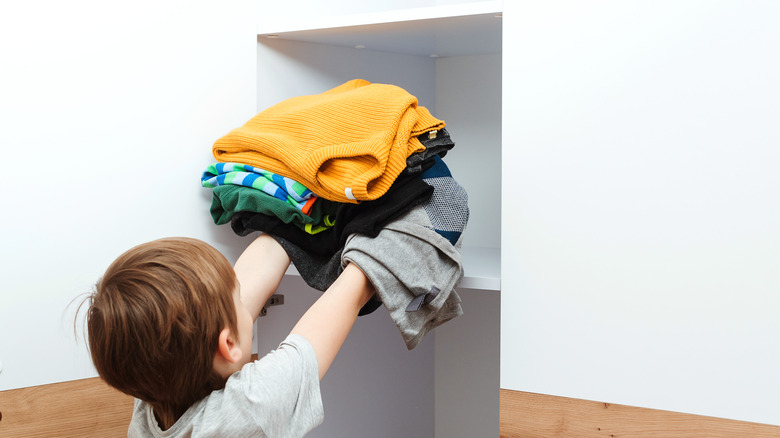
(108, 111)
(468, 98)
(467, 369)
(437, 37)
(641, 243)
(375, 387)
(272, 14)
(289, 68)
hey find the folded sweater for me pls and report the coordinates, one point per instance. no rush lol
(347, 144)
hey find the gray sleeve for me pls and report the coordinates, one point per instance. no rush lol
(278, 394)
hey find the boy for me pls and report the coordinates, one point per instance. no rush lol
(170, 323)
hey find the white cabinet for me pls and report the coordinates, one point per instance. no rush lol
(449, 57)
(414, 49)
(636, 176)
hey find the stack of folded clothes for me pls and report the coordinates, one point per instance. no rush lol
(354, 174)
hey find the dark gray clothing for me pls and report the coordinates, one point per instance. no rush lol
(320, 272)
(439, 144)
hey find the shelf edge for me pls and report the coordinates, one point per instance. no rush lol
(478, 282)
(394, 16)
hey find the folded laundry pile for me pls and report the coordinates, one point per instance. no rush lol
(354, 174)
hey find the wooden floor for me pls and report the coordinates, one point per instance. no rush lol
(89, 407)
(75, 409)
(79, 408)
(530, 415)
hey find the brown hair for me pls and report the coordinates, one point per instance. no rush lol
(154, 321)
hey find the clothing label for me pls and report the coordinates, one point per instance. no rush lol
(426, 298)
(348, 193)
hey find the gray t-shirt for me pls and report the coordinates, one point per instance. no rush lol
(275, 396)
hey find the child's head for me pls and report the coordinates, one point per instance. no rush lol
(155, 318)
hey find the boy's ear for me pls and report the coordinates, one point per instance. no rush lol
(227, 347)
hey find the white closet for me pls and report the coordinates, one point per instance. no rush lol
(449, 57)
(638, 240)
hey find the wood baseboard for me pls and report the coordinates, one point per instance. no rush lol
(78, 408)
(529, 415)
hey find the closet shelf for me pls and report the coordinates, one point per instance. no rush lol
(436, 31)
(482, 269)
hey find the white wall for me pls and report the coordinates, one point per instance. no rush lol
(107, 117)
(641, 239)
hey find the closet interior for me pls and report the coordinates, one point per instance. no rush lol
(449, 57)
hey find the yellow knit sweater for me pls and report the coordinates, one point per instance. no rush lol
(347, 144)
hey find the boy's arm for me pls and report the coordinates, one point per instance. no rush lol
(328, 321)
(259, 270)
